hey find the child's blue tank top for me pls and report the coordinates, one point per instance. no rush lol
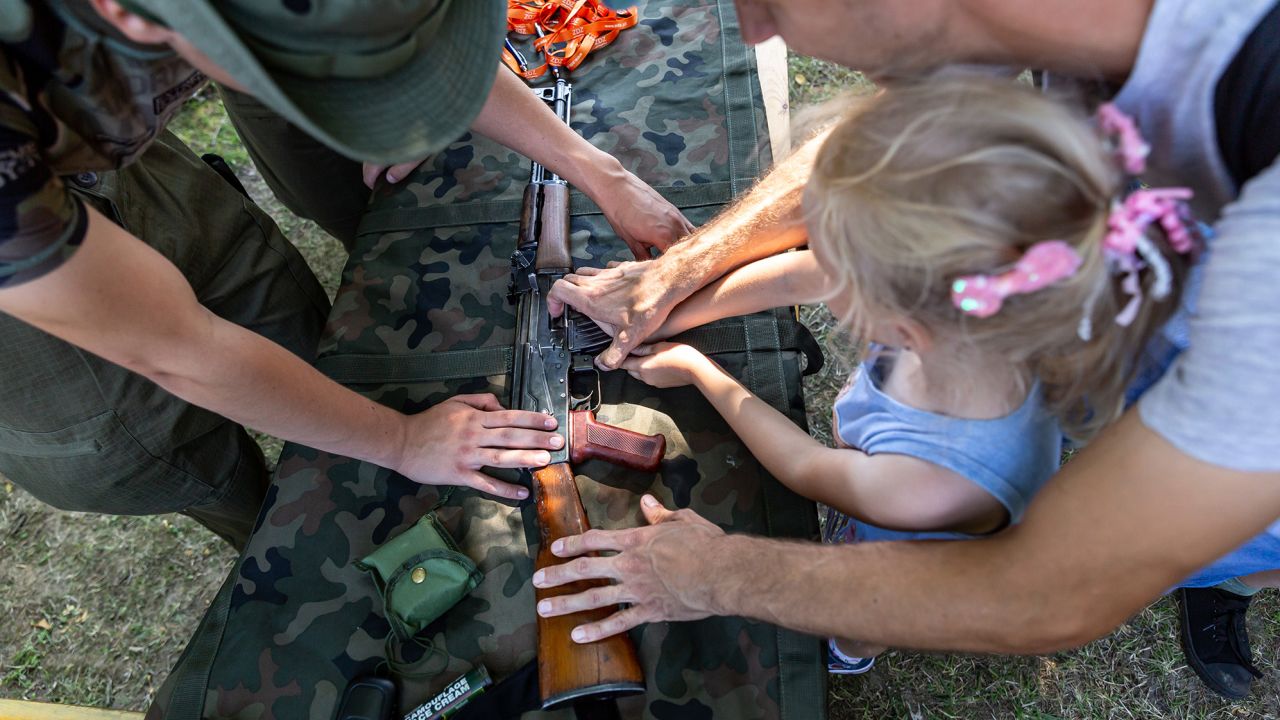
(1010, 457)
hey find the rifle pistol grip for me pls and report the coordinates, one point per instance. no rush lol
(591, 439)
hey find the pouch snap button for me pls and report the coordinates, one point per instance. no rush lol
(85, 180)
(418, 575)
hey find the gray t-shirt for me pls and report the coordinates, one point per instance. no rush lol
(1220, 402)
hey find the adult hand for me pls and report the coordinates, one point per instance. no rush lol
(653, 571)
(630, 301)
(449, 443)
(641, 216)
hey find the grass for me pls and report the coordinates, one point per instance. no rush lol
(98, 608)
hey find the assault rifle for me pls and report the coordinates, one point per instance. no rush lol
(548, 352)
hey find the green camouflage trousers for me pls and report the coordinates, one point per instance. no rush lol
(311, 180)
(81, 433)
(422, 315)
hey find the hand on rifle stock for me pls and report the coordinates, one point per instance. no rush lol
(448, 443)
(653, 570)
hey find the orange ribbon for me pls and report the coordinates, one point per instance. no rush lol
(573, 29)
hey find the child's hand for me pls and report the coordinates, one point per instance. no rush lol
(663, 365)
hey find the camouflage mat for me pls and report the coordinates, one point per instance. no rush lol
(677, 101)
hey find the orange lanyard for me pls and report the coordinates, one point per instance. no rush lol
(573, 29)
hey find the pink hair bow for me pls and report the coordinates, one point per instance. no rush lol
(1130, 146)
(1130, 219)
(1128, 248)
(1043, 264)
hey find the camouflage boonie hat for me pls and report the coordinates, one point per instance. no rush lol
(378, 81)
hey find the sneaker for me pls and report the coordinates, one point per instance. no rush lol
(1215, 641)
(840, 664)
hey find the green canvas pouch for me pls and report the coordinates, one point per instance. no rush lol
(420, 575)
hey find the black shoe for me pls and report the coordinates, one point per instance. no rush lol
(1215, 641)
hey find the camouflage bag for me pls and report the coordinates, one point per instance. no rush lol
(423, 315)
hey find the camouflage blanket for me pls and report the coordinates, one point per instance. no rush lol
(677, 101)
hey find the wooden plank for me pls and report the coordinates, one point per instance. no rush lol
(28, 710)
(771, 59)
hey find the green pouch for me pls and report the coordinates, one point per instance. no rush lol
(420, 574)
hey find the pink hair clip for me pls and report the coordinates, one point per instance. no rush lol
(1126, 246)
(1128, 249)
(1130, 146)
(1043, 264)
(1130, 219)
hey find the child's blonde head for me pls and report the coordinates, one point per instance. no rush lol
(930, 182)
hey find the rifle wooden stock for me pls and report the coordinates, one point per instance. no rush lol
(568, 670)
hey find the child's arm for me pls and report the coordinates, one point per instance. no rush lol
(893, 491)
(791, 278)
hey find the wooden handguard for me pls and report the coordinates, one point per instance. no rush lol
(568, 670)
(553, 238)
(591, 439)
(529, 214)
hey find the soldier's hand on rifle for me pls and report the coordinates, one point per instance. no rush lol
(653, 570)
(664, 365)
(628, 300)
(449, 443)
(641, 217)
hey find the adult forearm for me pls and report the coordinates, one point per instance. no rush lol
(1122, 523)
(516, 118)
(642, 218)
(945, 596)
(241, 375)
(765, 222)
(233, 371)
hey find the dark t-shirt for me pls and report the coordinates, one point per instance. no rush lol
(74, 97)
(1247, 103)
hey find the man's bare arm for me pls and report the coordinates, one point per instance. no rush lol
(635, 298)
(1120, 524)
(789, 278)
(120, 299)
(514, 117)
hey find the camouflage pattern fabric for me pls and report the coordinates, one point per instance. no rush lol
(676, 100)
(75, 96)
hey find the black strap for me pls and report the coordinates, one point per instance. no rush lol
(1247, 103)
(518, 693)
(763, 332)
(378, 369)
(196, 664)
(515, 695)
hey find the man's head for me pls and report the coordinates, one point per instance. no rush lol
(1093, 38)
(379, 81)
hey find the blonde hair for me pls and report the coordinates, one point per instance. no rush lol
(928, 182)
